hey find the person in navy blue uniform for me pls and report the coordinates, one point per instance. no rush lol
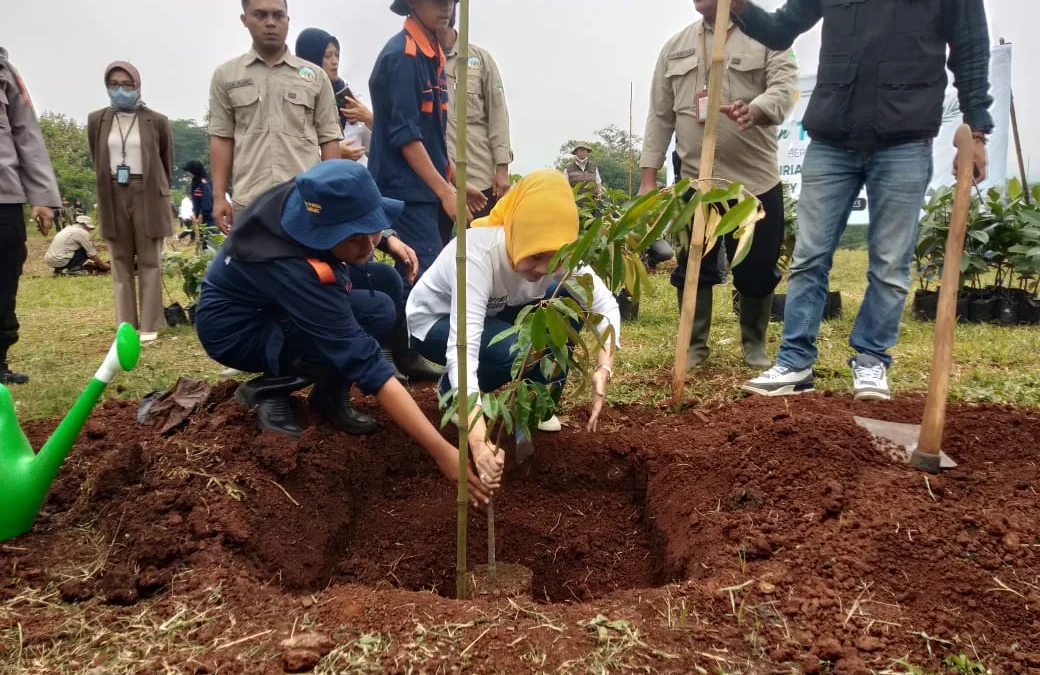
(409, 153)
(281, 299)
(201, 192)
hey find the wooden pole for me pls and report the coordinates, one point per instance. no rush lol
(462, 501)
(631, 98)
(926, 456)
(1018, 145)
(693, 263)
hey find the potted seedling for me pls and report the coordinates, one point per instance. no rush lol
(191, 267)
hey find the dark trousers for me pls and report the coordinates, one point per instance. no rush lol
(758, 275)
(78, 258)
(447, 225)
(13, 253)
(376, 298)
(496, 360)
(418, 227)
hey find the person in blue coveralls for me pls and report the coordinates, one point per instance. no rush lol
(281, 299)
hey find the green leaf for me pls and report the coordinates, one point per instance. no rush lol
(538, 326)
(557, 326)
(505, 335)
(743, 245)
(736, 217)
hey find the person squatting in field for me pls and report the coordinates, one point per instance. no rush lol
(508, 253)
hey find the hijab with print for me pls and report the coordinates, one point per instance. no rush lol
(538, 215)
(310, 46)
(134, 74)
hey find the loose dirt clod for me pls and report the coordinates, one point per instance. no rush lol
(505, 581)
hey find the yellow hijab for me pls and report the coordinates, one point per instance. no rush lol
(538, 215)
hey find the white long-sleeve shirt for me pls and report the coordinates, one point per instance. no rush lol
(491, 285)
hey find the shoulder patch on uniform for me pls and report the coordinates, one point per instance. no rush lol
(682, 53)
(474, 63)
(23, 90)
(307, 74)
(794, 57)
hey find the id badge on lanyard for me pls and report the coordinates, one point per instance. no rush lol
(700, 107)
(123, 174)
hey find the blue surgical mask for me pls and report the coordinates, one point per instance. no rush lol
(122, 99)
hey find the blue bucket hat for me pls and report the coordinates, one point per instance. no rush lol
(333, 201)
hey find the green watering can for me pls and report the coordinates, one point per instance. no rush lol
(25, 477)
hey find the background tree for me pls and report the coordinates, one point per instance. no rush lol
(190, 141)
(70, 155)
(613, 153)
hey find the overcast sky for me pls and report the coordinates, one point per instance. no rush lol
(566, 64)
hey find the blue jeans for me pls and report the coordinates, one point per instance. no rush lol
(896, 180)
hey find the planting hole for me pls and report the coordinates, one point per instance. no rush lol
(575, 520)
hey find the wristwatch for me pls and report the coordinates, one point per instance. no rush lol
(389, 232)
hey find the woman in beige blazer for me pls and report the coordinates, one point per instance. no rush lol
(132, 149)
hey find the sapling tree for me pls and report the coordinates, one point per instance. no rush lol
(560, 336)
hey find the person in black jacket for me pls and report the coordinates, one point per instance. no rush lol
(875, 110)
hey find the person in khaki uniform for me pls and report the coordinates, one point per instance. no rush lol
(488, 148)
(72, 247)
(132, 149)
(272, 115)
(759, 88)
(25, 176)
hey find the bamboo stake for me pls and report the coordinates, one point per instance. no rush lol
(1018, 145)
(631, 100)
(707, 167)
(462, 502)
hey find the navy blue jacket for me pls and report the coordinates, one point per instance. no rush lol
(266, 300)
(202, 200)
(409, 103)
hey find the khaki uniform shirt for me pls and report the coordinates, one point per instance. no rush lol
(487, 126)
(754, 74)
(65, 245)
(279, 117)
(25, 167)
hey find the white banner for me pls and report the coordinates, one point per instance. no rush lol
(793, 141)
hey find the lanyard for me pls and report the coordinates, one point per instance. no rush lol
(705, 57)
(123, 137)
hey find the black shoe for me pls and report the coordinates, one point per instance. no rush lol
(331, 398)
(272, 398)
(415, 367)
(389, 358)
(7, 377)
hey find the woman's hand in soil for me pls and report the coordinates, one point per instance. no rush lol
(599, 395)
(490, 461)
(448, 463)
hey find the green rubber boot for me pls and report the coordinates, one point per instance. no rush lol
(699, 351)
(754, 322)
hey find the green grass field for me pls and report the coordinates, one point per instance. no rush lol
(68, 324)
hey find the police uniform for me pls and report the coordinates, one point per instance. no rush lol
(487, 122)
(758, 76)
(410, 103)
(26, 176)
(272, 304)
(279, 117)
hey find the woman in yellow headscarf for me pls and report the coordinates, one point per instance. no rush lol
(509, 254)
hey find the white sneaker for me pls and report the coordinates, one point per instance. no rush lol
(869, 379)
(552, 424)
(780, 381)
(149, 337)
(230, 373)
